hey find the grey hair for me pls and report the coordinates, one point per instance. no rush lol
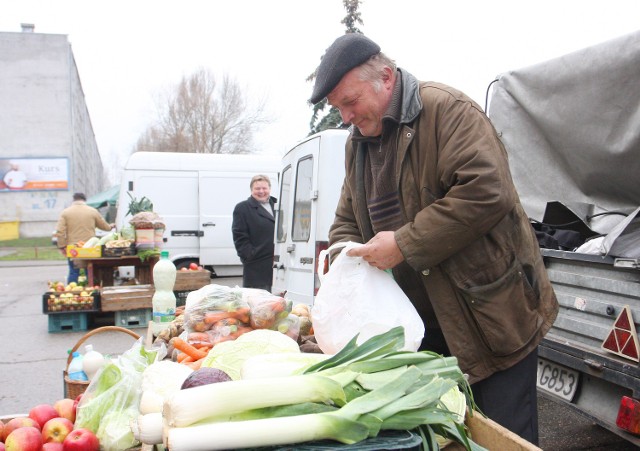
(259, 178)
(373, 69)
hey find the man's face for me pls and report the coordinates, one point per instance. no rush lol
(360, 104)
(260, 191)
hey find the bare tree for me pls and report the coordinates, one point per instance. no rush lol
(202, 116)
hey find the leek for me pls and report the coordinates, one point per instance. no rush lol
(266, 432)
(148, 428)
(221, 399)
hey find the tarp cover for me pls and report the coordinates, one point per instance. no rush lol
(571, 127)
(105, 198)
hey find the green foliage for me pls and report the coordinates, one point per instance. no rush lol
(144, 254)
(321, 120)
(138, 206)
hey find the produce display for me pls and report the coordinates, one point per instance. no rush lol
(48, 428)
(255, 391)
(217, 314)
(348, 398)
(69, 298)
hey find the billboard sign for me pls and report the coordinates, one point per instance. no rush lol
(34, 174)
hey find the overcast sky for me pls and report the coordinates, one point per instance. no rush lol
(130, 51)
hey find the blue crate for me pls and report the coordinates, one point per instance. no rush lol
(68, 322)
(133, 318)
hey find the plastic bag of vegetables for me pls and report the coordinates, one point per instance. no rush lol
(112, 398)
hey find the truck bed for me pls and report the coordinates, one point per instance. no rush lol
(592, 291)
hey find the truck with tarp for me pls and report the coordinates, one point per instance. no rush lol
(571, 127)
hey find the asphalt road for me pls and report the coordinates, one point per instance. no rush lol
(32, 359)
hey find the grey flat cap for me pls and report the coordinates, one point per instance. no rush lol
(346, 52)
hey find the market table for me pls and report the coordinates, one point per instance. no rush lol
(100, 269)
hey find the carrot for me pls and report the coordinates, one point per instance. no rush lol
(242, 314)
(186, 359)
(187, 348)
(195, 365)
(198, 337)
(214, 317)
(180, 357)
(203, 346)
(233, 335)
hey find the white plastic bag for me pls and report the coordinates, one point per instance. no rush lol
(357, 298)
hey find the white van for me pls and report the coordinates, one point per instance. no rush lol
(195, 195)
(311, 180)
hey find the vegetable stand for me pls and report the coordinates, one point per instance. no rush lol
(100, 270)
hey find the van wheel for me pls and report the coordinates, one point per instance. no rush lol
(185, 263)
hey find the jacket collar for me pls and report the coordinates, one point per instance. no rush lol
(404, 108)
(260, 209)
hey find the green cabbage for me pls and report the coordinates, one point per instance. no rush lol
(279, 364)
(229, 356)
(115, 431)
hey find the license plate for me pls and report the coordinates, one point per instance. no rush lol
(557, 379)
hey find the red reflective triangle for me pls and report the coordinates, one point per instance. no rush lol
(623, 322)
(622, 339)
(630, 350)
(610, 343)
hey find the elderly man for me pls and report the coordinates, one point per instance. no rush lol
(428, 189)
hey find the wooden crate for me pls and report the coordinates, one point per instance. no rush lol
(126, 297)
(190, 280)
(491, 435)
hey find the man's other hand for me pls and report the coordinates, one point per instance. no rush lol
(381, 251)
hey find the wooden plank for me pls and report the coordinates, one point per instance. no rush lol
(114, 299)
(192, 280)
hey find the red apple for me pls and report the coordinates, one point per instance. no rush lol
(1, 432)
(66, 408)
(193, 266)
(52, 446)
(81, 440)
(26, 438)
(2, 447)
(76, 402)
(56, 430)
(16, 423)
(42, 413)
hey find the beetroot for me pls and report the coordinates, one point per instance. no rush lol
(204, 376)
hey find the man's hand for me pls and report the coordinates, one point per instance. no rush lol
(381, 251)
(63, 251)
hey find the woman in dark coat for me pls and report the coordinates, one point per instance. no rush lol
(253, 230)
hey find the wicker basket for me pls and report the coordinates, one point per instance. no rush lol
(74, 388)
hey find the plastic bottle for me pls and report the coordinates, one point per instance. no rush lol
(163, 300)
(92, 361)
(75, 370)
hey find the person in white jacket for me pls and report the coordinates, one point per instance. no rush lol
(15, 178)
